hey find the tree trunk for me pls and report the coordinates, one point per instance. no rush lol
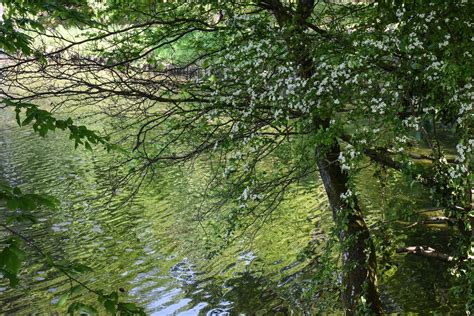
(359, 260)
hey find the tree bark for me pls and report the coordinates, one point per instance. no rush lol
(359, 258)
(426, 251)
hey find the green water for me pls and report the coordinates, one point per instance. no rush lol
(153, 248)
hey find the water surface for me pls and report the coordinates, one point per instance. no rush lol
(152, 248)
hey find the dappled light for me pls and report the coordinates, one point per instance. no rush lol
(261, 157)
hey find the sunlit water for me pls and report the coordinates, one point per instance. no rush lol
(151, 248)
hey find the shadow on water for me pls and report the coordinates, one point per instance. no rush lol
(410, 283)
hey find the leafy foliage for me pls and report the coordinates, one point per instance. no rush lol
(113, 306)
(25, 203)
(20, 17)
(11, 258)
(43, 121)
(357, 83)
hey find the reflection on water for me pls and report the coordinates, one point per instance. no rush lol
(151, 247)
(148, 248)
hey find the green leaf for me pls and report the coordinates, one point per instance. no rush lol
(27, 120)
(27, 203)
(49, 260)
(61, 124)
(12, 277)
(13, 204)
(131, 307)
(88, 146)
(113, 296)
(75, 289)
(25, 218)
(17, 116)
(47, 201)
(110, 307)
(11, 258)
(63, 299)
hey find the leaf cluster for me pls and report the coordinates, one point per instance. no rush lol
(43, 122)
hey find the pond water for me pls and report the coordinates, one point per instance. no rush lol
(152, 249)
